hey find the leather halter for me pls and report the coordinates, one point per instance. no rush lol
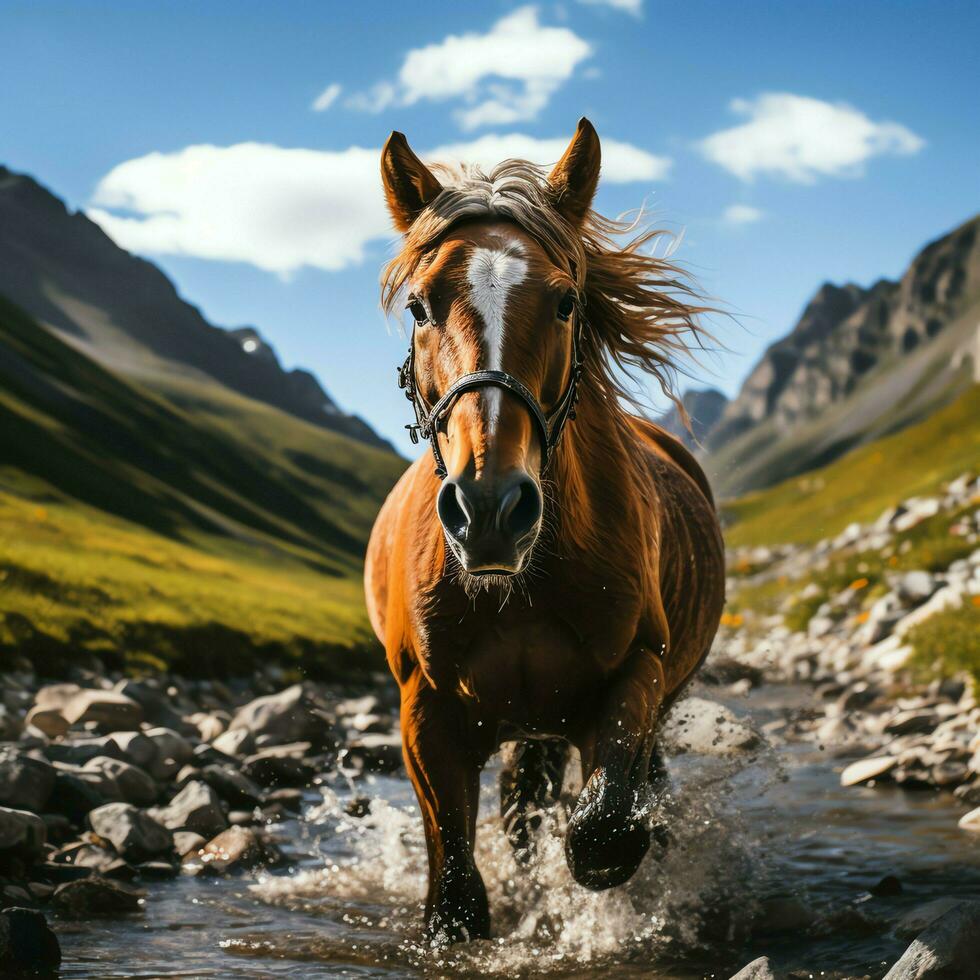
(549, 425)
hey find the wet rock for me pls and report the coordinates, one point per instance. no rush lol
(285, 717)
(108, 710)
(27, 944)
(970, 821)
(95, 896)
(864, 770)
(93, 858)
(235, 849)
(358, 807)
(271, 767)
(25, 782)
(22, 832)
(232, 786)
(915, 921)
(727, 670)
(196, 807)
(707, 728)
(949, 773)
(759, 969)
(235, 742)
(289, 799)
(134, 834)
(135, 785)
(74, 796)
(888, 886)
(186, 841)
(783, 914)
(172, 752)
(947, 948)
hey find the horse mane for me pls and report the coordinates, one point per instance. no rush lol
(642, 310)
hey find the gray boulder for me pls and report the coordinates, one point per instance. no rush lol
(94, 895)
(109, 710)
(27, 945)
(22, 832)
(196, 807)
(135, 785)
(25, 782)
(235, 741)
(134, 834)
(284, 717)
(756, 970)
(948, 949)
(172, 752)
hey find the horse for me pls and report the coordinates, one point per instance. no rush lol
(551, 575)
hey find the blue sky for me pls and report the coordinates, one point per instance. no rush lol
(792, 143)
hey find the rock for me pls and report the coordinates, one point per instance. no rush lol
(74, 797)
(888, 886)
(92, 857)
(949, 773)
(232, 786)
(22, 832)
(270, 767)
(705, 727)
(970, 821)
(915, 587)
(209, 726)
(285, 717)
(235, 742)
(783, 914)
(948, 597)
(25, 782)
(759, 969)
(289, 799)
(154, 703)
(865, 770)
(196, 807)
(109, 710)
(912, 722)
(727, 670)
(95, 895)
(135, 785)
(172, 752)
(47, 720)
(235, 849)
(133, 747)
(358, 807)
(186, 841)
(27, 945)
(134, 834)
(922, 916)
(947, 948)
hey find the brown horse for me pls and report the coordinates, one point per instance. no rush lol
(559, 577)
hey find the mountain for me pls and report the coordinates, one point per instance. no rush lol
(122, 311)
(859, 364)
(703, 407)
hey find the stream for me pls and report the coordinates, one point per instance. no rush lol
(768, 856)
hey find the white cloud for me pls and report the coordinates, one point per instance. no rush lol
(506, 75)
(281, 209)
(326, 98)
(634, 7)
(741, 214)
(801, 139)
(622, 163)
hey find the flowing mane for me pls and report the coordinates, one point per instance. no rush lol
(642, 310)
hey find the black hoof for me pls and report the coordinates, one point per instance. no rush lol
(606, 839)
(460, 911)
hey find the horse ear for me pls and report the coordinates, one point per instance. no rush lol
(408, 182)
(576, 174)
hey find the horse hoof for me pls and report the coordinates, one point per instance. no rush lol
(447, 929)
(606, 840)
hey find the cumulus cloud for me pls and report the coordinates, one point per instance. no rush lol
(801, 139)
(741, 214)
(281, 209)
(634, 7)
(503, 76)
(326, 98)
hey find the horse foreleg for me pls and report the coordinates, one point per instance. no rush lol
(530, 780)
(607, 832)
(445, 772)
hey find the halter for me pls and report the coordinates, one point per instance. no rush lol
(549, 425)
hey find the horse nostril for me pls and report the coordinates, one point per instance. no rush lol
(520, 508)
(453, 509)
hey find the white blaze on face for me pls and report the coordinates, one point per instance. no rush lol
(492, 273)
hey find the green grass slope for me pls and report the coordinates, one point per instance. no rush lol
(190, 525)
(862, 483)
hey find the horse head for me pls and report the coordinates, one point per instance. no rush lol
(494, 294)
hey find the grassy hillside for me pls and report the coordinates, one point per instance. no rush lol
(861, 484)
(193, 526)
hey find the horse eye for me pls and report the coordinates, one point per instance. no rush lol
(566, 306)
(418, 311)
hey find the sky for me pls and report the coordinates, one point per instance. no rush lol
(236, 144)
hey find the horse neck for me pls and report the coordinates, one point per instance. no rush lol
(598, 484)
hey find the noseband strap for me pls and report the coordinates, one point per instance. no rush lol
(549, 425)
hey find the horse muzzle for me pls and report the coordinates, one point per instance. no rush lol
(491, 523)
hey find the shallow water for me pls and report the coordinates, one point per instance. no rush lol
(770, 856)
